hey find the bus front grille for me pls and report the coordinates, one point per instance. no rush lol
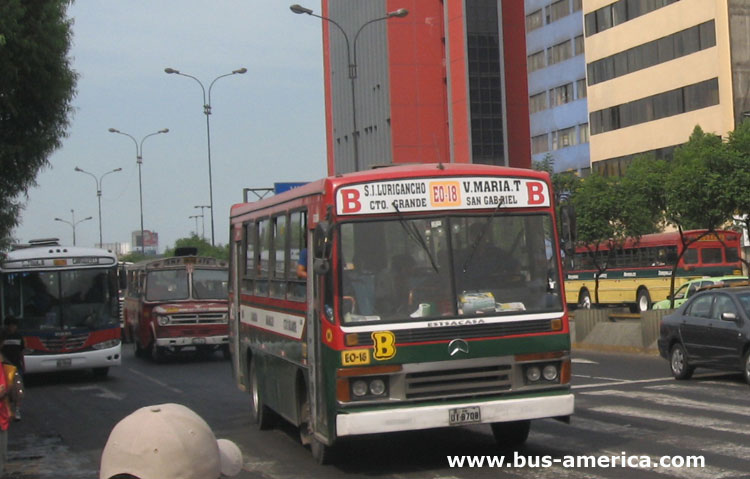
(463, 381)
(197, 318)
(65, 343)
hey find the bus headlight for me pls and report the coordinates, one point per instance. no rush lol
(106, 344)
(359, 388)
(163, 320)
(549, 372)
(533, 374)
(377, 387)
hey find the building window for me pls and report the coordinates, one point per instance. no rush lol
(539, 144)
(534, 20)
(577, 5)
(581, 88)
(558, 10)
(653, 53)
(561, 95)
(560, 52)
(538, 102)
(535, 61)
(583, 133)
(578, 43)
(663, 105)
(620, 12)
(563, 138)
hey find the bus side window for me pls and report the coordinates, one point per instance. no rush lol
(263, 257)
(250, 270)
(279, 256)
(297, 289)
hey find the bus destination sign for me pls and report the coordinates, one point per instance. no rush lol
(459, 193)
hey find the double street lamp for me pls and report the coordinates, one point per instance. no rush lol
(207, 112)
(98, 194)
(351, 58)
(196, 222)
(203, 220)
(139, 160)
(74, 223)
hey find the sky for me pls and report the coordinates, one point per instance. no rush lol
(266, 126)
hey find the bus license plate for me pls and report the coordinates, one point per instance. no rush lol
(464, 415)
(64, 363)
(199, 340)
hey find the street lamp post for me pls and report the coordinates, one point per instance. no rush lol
(207, 112)
(196, 222)
(74, 223)
(203, 220)
(98, 194)
(351, 58)
(139, 160)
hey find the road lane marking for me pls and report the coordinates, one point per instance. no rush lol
(155, 381)
(103, 392)
(582, 361)
(668, 400)
(688, 420)
(618, 382)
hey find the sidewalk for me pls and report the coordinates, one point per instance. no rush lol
(611, 329)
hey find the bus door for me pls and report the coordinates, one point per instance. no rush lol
(319, 288)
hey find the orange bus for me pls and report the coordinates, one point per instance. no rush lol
(401, 298)
(177, 304)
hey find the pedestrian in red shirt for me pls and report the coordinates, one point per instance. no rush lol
(4, 417)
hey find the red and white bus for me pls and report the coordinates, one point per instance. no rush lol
(431, 297)
(177, 304)
(639, 273)
(65, 301)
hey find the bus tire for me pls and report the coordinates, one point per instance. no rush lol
(260, 414)
(139, 351)
(322, 453)
(584, 299)
(678, 362)
(509, 435)
(643, 300)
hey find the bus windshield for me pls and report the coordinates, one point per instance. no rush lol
(62, 299)
(210, 284)
(454, 266)
(167, 285)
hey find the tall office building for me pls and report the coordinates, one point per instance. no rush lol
(658, 68)
(446, 83)
(557, 83)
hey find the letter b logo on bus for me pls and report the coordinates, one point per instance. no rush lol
(536, 193)
(385, 345)
(350, 201)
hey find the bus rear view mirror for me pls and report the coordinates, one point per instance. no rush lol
(322, 241)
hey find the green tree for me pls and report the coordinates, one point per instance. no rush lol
(204, 248)
(697, 193)
(737, 185)
(37, 85)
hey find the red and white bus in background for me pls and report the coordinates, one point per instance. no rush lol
(65, 301)
(177, 304)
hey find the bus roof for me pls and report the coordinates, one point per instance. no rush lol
(429, 170)
(56, 256)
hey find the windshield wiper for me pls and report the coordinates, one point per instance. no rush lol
(413, 233)
(479, 238)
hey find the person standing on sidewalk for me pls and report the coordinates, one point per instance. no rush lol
(12, 346)
(4, 418)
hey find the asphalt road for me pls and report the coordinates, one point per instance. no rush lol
(626, 405)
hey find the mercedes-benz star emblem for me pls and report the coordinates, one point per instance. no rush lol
(458, 346)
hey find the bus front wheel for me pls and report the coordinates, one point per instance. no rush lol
(157, 352)
(322, 453)
(511, 434)
(261, 415)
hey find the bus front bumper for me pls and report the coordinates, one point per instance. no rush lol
(102, 358)
(192, 341)
(427, 417)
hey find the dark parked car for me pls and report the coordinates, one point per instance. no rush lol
(711, 330)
